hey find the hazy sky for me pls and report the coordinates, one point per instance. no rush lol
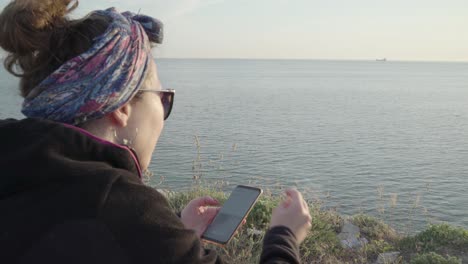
(306, 29)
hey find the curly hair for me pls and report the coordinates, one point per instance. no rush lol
(39, 37)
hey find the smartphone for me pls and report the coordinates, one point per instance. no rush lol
(230, 217)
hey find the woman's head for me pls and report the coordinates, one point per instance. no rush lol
(88, 71)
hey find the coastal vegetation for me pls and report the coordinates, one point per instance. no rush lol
(440, 244)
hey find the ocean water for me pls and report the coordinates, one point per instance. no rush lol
(385, 138)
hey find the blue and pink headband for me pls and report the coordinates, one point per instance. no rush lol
(103, 78)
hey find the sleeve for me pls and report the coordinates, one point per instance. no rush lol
(280, 247)
(145, 226)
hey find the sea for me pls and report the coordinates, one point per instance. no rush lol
(389, 139)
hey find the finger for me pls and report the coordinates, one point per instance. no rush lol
(211, 213)
(304, 203)
(294, 194)
(205, 201)
(286, 202)
(212, 210)
(201, 210)
(208, 210)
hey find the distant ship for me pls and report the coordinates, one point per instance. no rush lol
(384, 59)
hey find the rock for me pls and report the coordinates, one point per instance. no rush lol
(348, 227)
(350, 236)
(255, 232)
(388, 258)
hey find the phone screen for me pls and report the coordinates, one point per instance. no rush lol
(231, 214)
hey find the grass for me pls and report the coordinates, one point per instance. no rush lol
(440, 244)
(433, 258)
(437, 240)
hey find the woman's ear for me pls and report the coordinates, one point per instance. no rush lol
(121, 116)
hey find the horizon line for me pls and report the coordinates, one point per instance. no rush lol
(309, 59)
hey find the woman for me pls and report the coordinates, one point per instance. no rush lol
(71, 189)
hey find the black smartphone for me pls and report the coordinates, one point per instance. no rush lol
(230, 217)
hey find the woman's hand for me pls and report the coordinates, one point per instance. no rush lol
(293, 213)
(199, 213)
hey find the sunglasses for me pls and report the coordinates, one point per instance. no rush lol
(167, 99)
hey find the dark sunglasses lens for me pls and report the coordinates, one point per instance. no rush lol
(167, 99)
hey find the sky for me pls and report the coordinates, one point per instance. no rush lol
(410, 30)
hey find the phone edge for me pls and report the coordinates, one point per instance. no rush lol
(223, 245)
